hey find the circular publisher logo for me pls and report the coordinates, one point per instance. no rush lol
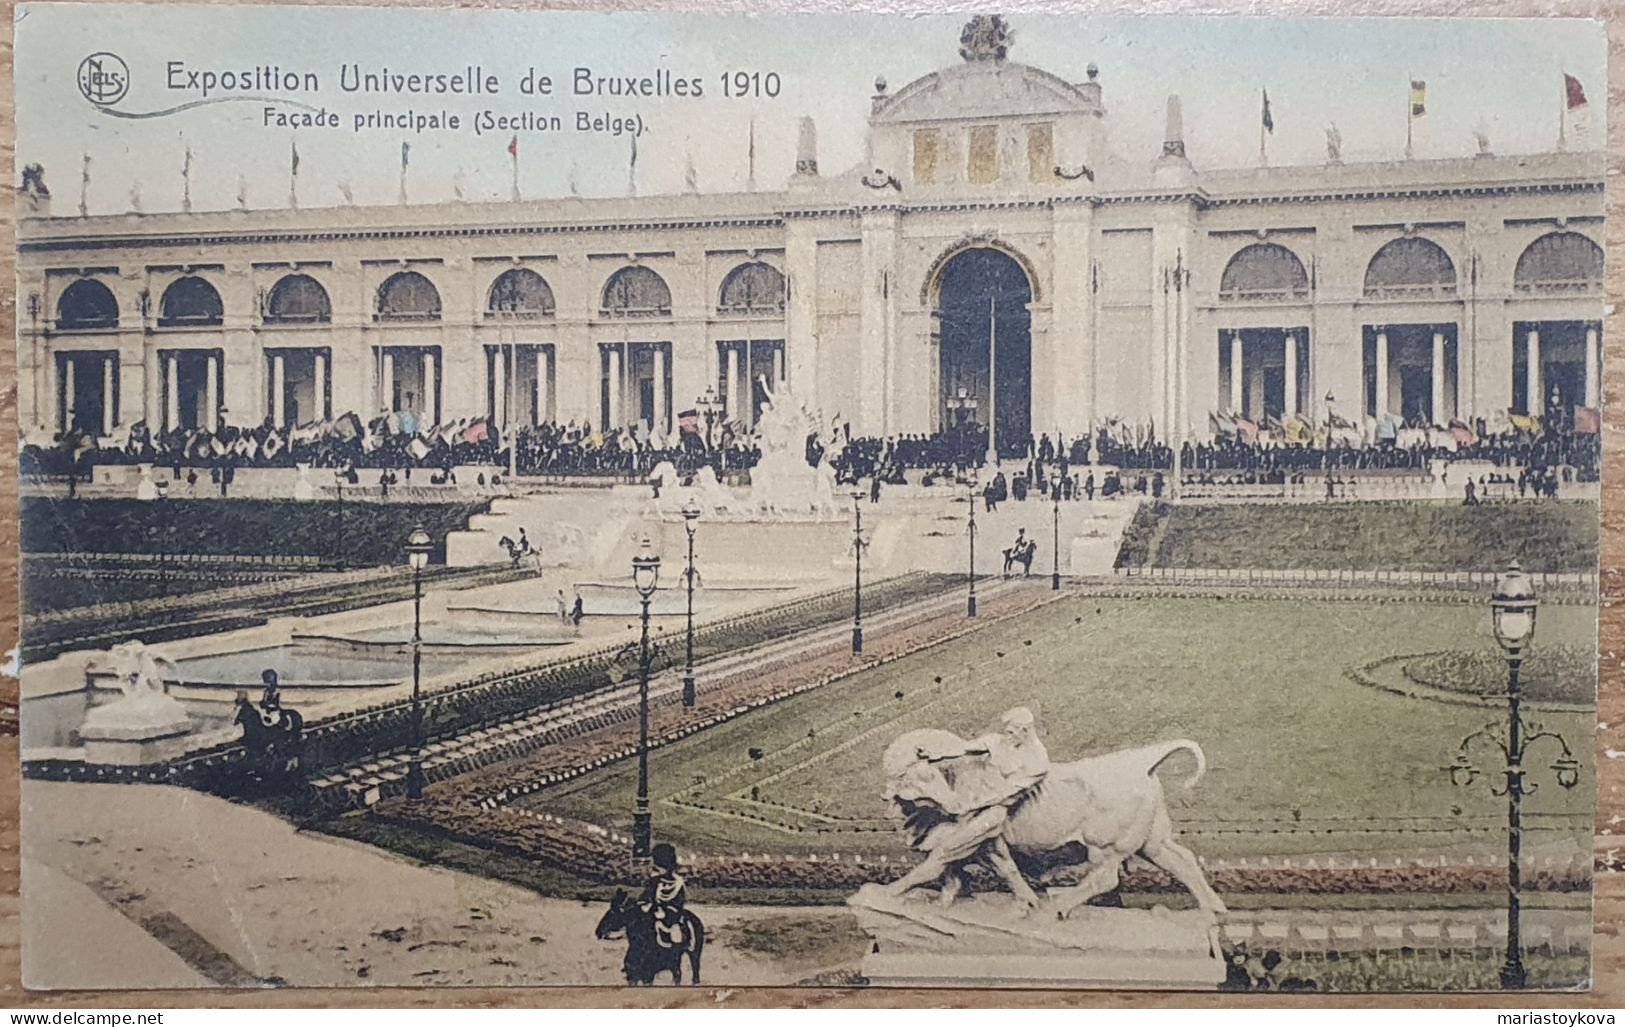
(104, 78)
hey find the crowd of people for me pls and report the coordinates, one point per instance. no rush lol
(1131, 461)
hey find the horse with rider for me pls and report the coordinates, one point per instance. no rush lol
(1021, 551)
(658, 927)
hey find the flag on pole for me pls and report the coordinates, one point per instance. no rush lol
(293, 175)
(1415, 108)
(1574, 99)
(513, 154)
(1574, 94)
(84, 188)
(750, 157)
(406, 158)
(1266, 125)
(186, 180)
(632, 168)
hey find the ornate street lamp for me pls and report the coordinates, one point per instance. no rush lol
(1055, 499)
(691, 517)
(708, 404)
(858, 545)
(970, 533)
(1513, 608)
(162, 490)
(645, 576)
(338, 484)
(418, 547)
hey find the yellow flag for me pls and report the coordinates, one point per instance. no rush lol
(1419, 96)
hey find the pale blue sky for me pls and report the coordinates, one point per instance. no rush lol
(1503, 76)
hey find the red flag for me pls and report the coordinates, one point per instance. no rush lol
(513, 144)
(1573, 91)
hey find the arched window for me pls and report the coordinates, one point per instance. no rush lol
(636, 292)
(754, 288)
(1264, 271)
(1410, 267)
(87, 303)
(408, 296)
(1559, 262)
(190, 301)
(519, 292)
(298, 299)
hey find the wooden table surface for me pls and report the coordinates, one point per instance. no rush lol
(1609, 948)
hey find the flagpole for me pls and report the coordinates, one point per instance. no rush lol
(1563, 117)
(1410, 117)
(513, 151)
(84, 188)
(1263, 155)
(750, 178)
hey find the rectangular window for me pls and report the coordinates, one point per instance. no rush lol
(984, 154)
(1041, 152)
(927, 147)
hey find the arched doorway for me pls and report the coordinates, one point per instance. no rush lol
(982, 316)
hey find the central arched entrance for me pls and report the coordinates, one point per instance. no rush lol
(984, 324)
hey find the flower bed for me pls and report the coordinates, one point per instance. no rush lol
(1550, 673)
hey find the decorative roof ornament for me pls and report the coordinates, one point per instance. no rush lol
(985, 37)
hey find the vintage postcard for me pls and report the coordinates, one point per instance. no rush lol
(517, 497)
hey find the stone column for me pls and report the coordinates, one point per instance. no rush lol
(1436, 412)
(279, 386)
(172, 395)
(319, 388)
(1290, 403)
(801, 341)
(386, 398)
(108, 412)
(1531, 381)
(614, 387)
(1382, 374)
(1235, 373)
(431, 389)
(659, 421)
(499, 386)
(778, 367)
(544, 387)
(1591, 397)
(211, 393)
(67, 394)
(731, 404)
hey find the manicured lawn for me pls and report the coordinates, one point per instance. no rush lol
(1301, 759)
(1547, 535)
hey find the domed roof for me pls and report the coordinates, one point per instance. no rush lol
(985, 85)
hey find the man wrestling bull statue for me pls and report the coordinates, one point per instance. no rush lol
(977, 801)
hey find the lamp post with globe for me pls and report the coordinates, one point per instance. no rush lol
(858, 545)
(691, 517)
(1055, 499)
(418, 547)
(1513, 608)
(970, 533)
(645, 576)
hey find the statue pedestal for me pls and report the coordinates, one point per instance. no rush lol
(985, 941)
(136, 730)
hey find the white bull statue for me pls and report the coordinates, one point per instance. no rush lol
(1112, 804)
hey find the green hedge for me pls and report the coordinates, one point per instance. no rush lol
(353, 533)
(1546, 535)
